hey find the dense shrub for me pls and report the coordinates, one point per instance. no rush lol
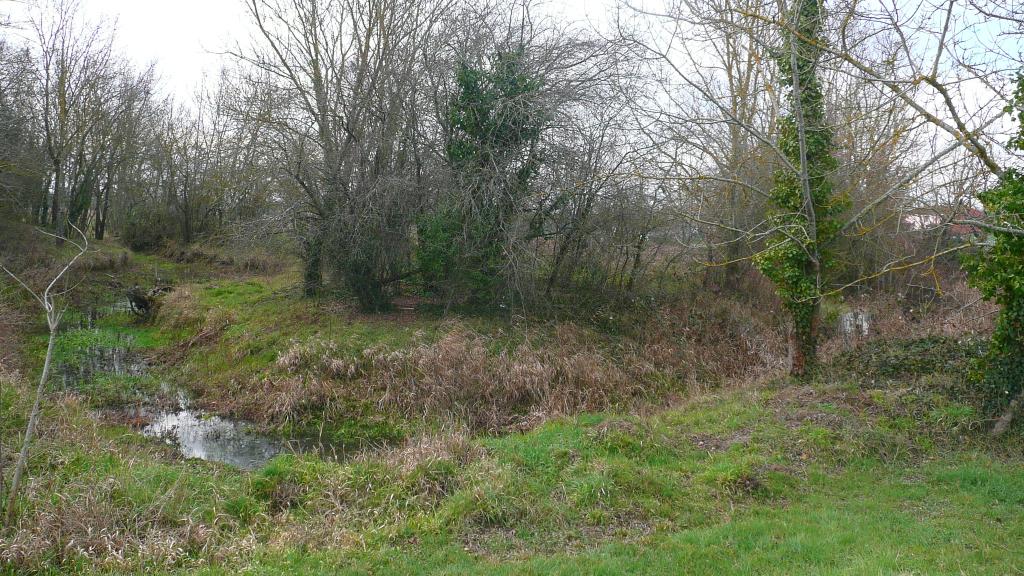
(496, 121)
(149, 229)
(457, 260)
(897, 359)
(999, 274)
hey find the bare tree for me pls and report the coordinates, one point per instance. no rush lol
(905, 95)
(74, 68)
(351, 73)
(22, 161)
(49, 301)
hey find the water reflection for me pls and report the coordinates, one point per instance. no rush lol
(214, 438)
(96, 360)
(169, 415)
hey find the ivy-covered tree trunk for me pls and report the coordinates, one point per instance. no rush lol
(998, 272)
(803, 206)
(803, 343)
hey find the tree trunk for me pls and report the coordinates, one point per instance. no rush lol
(312, 259)
(803, 342)
(57, 217)
(186, 224)
(556, 267)
(55, 199)
(637, 260)
(33, 420)
(101, 214)
(102, 206)
(41, 212)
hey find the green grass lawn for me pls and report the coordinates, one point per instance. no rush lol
(729, 483)
(943, 518)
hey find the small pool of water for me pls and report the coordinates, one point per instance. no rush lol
(171, 417)
(117, 360)
(214, 438)
(197, 434)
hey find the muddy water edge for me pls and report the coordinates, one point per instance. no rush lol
(160, 410)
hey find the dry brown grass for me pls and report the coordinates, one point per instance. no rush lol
(452, 443)
(115, 520)
(98, 261)
(959, 312)
(240, 259)
(181, 309)
(473, 379)
(12, 322)
(458, 376)
(81, 523)
(719, 338)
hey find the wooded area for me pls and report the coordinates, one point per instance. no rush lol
(490, 155)
(793, 161)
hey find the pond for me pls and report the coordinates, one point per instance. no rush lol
(207, 437)
(171, 416)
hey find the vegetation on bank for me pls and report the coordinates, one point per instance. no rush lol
(880, 463)
(836, 477)
(997, 272)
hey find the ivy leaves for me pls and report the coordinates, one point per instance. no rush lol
(796, 252)
(998, 273)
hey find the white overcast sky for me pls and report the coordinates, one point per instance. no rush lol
(184, 36)
(181, 36)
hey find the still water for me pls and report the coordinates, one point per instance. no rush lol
(195, 433)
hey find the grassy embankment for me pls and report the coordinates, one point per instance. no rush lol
(878, 466)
